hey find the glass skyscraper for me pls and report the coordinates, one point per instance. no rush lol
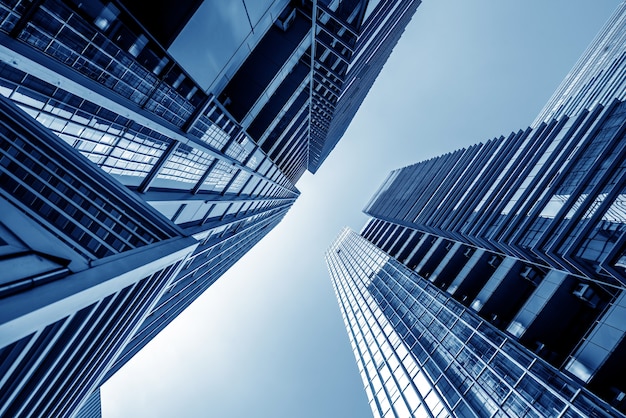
(491, 281)
(143, 152)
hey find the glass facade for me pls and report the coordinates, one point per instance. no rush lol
(490, 281)
(84, 260)
(384, 24)
(597, 77)
(541, 194)
(299, 108)
(420, 352)
(133, 175)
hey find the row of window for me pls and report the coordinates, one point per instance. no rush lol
(86, 213)
(455, 348)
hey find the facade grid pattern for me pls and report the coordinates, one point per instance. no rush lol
(500, 268)
(128, 187)
(422, 352)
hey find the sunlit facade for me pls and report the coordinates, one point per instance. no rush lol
(422, 353)
(143, 151)
(490, 281)
(84, 261)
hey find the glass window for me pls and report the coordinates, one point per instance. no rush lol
(541, 398)
(506, 368)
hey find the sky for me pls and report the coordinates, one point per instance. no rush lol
(267, 339)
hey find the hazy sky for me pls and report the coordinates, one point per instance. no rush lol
(267, 340)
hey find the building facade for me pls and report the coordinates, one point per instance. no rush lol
(422, 353)
(491, 280)
(143, 154)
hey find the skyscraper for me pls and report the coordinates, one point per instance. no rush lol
(491, 280)
(143, 153)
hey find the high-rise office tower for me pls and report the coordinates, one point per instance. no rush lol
(491, 281)
(143, 151)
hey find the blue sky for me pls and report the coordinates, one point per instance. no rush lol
(267, 340)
